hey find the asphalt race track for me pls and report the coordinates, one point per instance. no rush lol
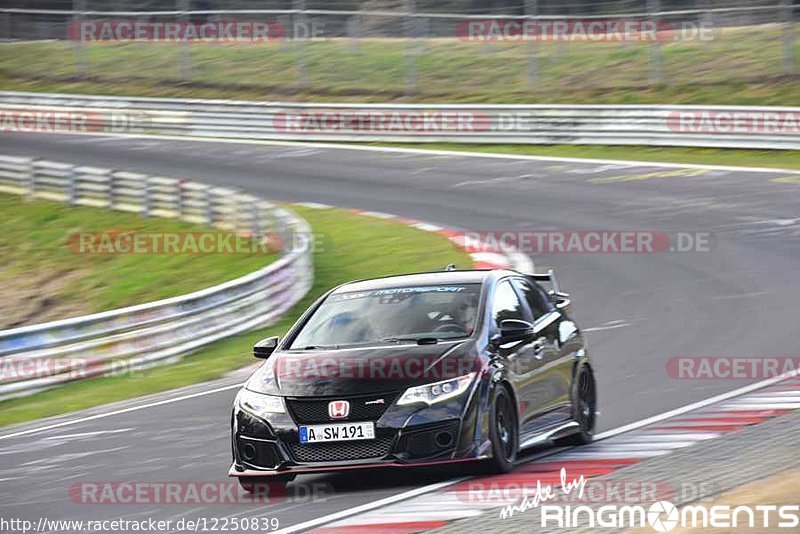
(640, 310)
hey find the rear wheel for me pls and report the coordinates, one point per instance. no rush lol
(584, 408)
(503, 432)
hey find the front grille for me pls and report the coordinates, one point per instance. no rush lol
(344, 450)
(309, 411)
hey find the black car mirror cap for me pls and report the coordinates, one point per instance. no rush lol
(564, 305)
(561, 301)
(264, 348)
(514, 330)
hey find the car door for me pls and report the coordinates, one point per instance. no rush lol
(557, 361)
(522, 359)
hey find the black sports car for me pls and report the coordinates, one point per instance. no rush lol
(416, 369)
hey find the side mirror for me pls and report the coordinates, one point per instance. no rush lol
(562, 301)
(514, 330)
(264, 348)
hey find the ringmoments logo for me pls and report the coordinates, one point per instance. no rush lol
(664, 516)
(661, 516)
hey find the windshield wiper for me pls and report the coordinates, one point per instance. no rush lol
(417, 340)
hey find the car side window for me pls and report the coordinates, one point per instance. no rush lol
(506, 304)
(537, 299)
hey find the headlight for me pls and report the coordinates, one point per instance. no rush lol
(438, 391)
(258, 403)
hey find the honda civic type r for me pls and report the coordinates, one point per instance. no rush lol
(414, 370)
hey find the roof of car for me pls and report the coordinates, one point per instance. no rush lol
(419, 279)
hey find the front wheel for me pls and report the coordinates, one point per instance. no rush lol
(583, 408)
(503, 432)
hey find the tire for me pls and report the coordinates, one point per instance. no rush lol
(583, 408)
(251, 484)
(503, 432)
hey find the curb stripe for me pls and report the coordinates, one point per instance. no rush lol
(475, 496)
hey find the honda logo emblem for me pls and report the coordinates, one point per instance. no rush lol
(338, 409)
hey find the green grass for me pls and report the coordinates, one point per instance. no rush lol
(740, 66)
(41, 278)
(353, 247)
(782, 159)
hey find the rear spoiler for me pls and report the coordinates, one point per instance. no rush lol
(560, 298)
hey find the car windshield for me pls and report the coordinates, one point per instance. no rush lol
(392, 315)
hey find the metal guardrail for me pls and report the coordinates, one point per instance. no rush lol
(416, 123)
(41, 356)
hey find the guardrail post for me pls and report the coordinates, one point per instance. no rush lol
(255, 218)
(112, 190)
(184, 54)
(705, 20)
(148, 200)
(209, 206)
(653, 9)
(532, 11)
(787, 12)
(423, 35)
(5, 24)
(181, 201)
(72, 186)
(410, 48)
(30, 186)
(355, 31)
(78, 7)
(285, 44)
(299, 45)
(412, 81)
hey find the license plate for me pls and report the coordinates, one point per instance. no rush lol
(337, 432)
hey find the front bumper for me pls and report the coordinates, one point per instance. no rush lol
(405, 436)
(239, 471)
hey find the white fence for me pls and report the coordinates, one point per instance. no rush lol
(129, 339)
(693, 126)
(416, 21)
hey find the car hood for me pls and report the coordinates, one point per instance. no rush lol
(362, 370)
